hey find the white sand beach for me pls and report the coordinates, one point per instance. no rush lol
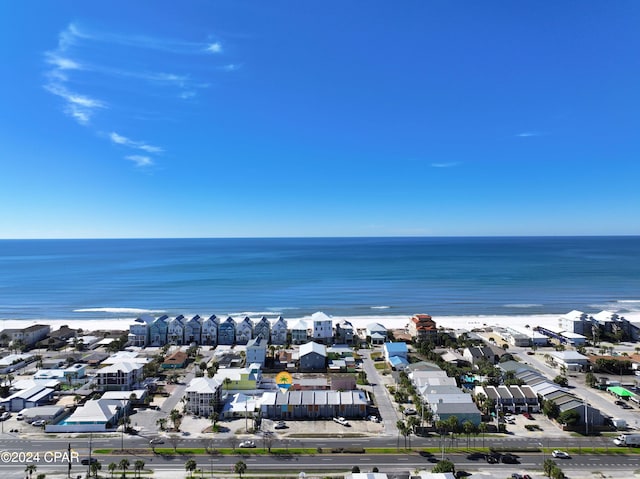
(390, 321)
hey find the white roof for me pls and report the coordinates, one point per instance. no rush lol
(125, 357)
(96, 410)
(8, 360)
(125, 367)
(123, 395)
(313, 347)
(203, 385)
(301, 324)
(320, 316)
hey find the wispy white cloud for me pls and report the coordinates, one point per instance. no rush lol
(140, 160)
(450, 164)
(61, 62)
(215, 47)
(230, 67)
(80, 107)
(527, 134)
(187, 94)
(140, 145)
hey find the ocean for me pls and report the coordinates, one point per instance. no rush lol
(295, 277)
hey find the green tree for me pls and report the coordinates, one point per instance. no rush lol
(569, 417)
(590, 379)
(482, 427)
(403, 430)
(240, 468)
(95, 467)
(190, 466)
(444, 466)
(138, 466)
(176, 418)
(561, 380)
(551, 409)
(124, 465)
(30, 469)
(112, 467)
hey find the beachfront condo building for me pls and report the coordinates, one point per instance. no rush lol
(322, 329)
(423, 328)
(244, 331)
(209, 332)
(262, 329)
(227, 332)
(279, 332)
(193, 330)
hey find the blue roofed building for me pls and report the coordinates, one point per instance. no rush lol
(396, 355)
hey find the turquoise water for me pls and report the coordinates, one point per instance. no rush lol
(78, 279)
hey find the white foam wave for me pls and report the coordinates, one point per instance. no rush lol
(625, 301)
(380, 307)
(118, 310)
(522, 305)
(256, 313)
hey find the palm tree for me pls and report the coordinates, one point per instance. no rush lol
(482, 427)
(190, 466)
(468, 429)
(138, 466)
(124, 465)
(176, 418)
(213, 417)
(404, 430)
(95, 467)
(31, 468)
(240, 468)
(112, 467)
(162, 422)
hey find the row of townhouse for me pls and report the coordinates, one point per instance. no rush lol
(547, 390)
(512, 398)
(313, 404)
(150, 331)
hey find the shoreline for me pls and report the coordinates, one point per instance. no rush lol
(389, 321)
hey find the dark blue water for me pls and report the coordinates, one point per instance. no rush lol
(341, 276)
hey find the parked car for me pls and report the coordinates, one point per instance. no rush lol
(4, 416)
(156, 440)
(341, 420)
(374, 419)
(19, 416)
(560, 454)
(39, 422)
(86, 461)
(247, 444)
(280, 425)
(527, 415)
(410, 411)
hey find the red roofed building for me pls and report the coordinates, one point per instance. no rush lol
(423, 328)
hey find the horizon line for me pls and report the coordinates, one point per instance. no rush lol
(97, 238)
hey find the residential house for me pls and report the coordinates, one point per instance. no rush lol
(344, 332)
(262, 329)
(193, 330)
(177, 360)
(477, 354)
(396, 355)
(279, 332)
(209, 330)
(96, 415)
(139, 331)
(376, 333)
(442, 411)
(158, 330)
(234, 379)
(227, 332)
(175, 330)
(299, 332)
(322, 330)
(257, 351)
(204, 396)
(423, 328)
(313, 357)
(119, 377)
(244, 331)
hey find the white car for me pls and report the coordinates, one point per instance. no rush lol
(560, 454)
(341, 420)
(247, 444)
(39, 423)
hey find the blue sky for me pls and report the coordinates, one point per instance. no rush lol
(332, 118)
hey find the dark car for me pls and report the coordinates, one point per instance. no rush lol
(509, 459)
(280, 425)
(86, 461)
